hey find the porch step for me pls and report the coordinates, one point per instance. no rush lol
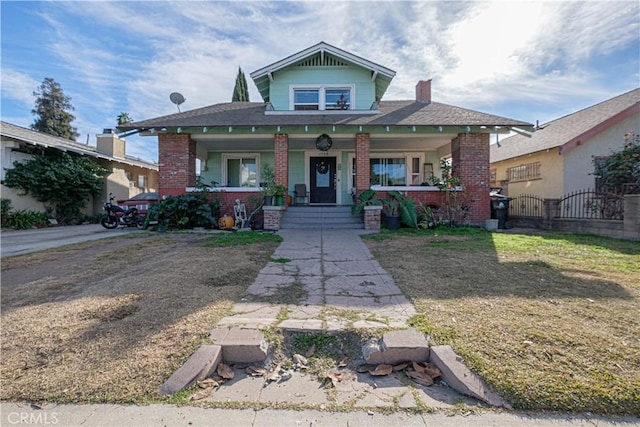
(327, 217)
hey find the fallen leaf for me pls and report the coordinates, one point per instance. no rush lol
(343, 363)
(417, 367)
(382, 369)
(335, 377)
(364, 368)
(300, 361)
(420, 377)
(255, 371)
(275, 374)
(400, 367)
(208, 382)
(432, 370)
(225, 371)
(201, 394)
(311, 350)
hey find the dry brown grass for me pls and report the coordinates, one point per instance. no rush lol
(110, 321)
(552, 321)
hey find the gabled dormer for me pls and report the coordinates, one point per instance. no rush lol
(322, 79)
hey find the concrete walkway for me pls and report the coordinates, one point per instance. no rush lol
(330, 282)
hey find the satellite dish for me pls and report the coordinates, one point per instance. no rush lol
(177, 99)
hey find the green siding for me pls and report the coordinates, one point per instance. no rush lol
(359, 77)
(296, 169)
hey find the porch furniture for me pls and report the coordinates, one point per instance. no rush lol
(300, 192)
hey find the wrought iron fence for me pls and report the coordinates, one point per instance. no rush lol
(526, 205)
(589, 204)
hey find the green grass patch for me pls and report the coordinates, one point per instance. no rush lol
(550, 320)
(281, 260)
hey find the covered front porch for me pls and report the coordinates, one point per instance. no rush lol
(335, 163)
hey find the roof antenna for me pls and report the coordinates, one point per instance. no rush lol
(177, 99)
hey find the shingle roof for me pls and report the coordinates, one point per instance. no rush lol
(391, 113)
(566, 129)
(21, 134)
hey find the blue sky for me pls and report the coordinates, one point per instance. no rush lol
(524, 60)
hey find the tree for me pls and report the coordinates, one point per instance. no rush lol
(62, 180)
(620, 171)
(124, 118)
(52, 111)
(240, 91)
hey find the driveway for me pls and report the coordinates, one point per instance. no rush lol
(20, 242)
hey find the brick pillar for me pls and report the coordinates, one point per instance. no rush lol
(372, 217)
(363, 172)
(470, 163)
(176, 164)
(281, 152)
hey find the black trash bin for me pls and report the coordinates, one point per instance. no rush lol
(500, 211)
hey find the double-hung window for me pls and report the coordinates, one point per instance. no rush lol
(241, 170)
(322, 98)
(392, 170)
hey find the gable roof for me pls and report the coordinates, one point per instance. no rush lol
(391, 113)
(380, 74)
(31, 137)
(571, 130)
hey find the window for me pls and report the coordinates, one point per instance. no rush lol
(493, 174)
(306, 99)
(240, 170)
(322, 98)
(142, 181)
(524, 172)
(388, 171)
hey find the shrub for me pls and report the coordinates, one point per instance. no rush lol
(6, 207)
(183, 212)
(22, 219)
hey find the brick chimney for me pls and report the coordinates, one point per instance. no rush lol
(423, 91)
(108, 143)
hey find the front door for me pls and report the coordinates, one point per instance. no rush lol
(322, 180)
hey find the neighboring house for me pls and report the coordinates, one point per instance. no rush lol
(558, 158)
(323, 123)
(127, 176)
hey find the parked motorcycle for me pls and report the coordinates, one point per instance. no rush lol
(115, 215)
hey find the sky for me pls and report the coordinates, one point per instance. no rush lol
(531, 61)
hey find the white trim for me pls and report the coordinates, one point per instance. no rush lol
(238, 155)
(321, 88)
(407, 188)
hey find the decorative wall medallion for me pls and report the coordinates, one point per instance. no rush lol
(323, 142)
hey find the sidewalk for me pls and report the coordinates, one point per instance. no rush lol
(170, 416)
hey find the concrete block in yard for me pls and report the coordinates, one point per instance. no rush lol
(398, 346)
(460, 378)
(200, 365)
(240, 345)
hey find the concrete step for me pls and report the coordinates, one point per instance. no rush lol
(327, 217)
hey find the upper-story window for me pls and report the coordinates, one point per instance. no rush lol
(322, 98)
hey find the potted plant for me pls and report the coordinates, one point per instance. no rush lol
(399, 208)
(268, 184)
(279, 191)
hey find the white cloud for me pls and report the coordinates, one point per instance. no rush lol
(486, 55)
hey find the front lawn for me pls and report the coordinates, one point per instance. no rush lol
(551, 321)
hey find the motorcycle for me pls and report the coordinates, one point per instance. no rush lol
(115, 216)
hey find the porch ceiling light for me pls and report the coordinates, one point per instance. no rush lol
(179, 130)
(468, 129)
(152, 130)
(230, 129)
(204, 129)
(387, 128)
(163, 130)
(439, 128)
(253, 128)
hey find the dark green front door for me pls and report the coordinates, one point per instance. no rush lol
(322, 180)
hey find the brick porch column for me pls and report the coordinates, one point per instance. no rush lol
(176, 164)
(470, 163)
(281, 153)
(363, 148)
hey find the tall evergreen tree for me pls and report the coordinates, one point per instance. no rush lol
(240, 92)
(52, 111)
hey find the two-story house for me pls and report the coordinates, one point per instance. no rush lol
(324, 123)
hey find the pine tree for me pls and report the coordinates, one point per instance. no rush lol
(240, 92)
(52, 111)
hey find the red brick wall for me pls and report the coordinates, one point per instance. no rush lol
(176, 164)
(363, 146)
(228, 199)
(281, 153)
(470, 162)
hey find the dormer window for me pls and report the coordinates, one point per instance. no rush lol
(321, 98)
